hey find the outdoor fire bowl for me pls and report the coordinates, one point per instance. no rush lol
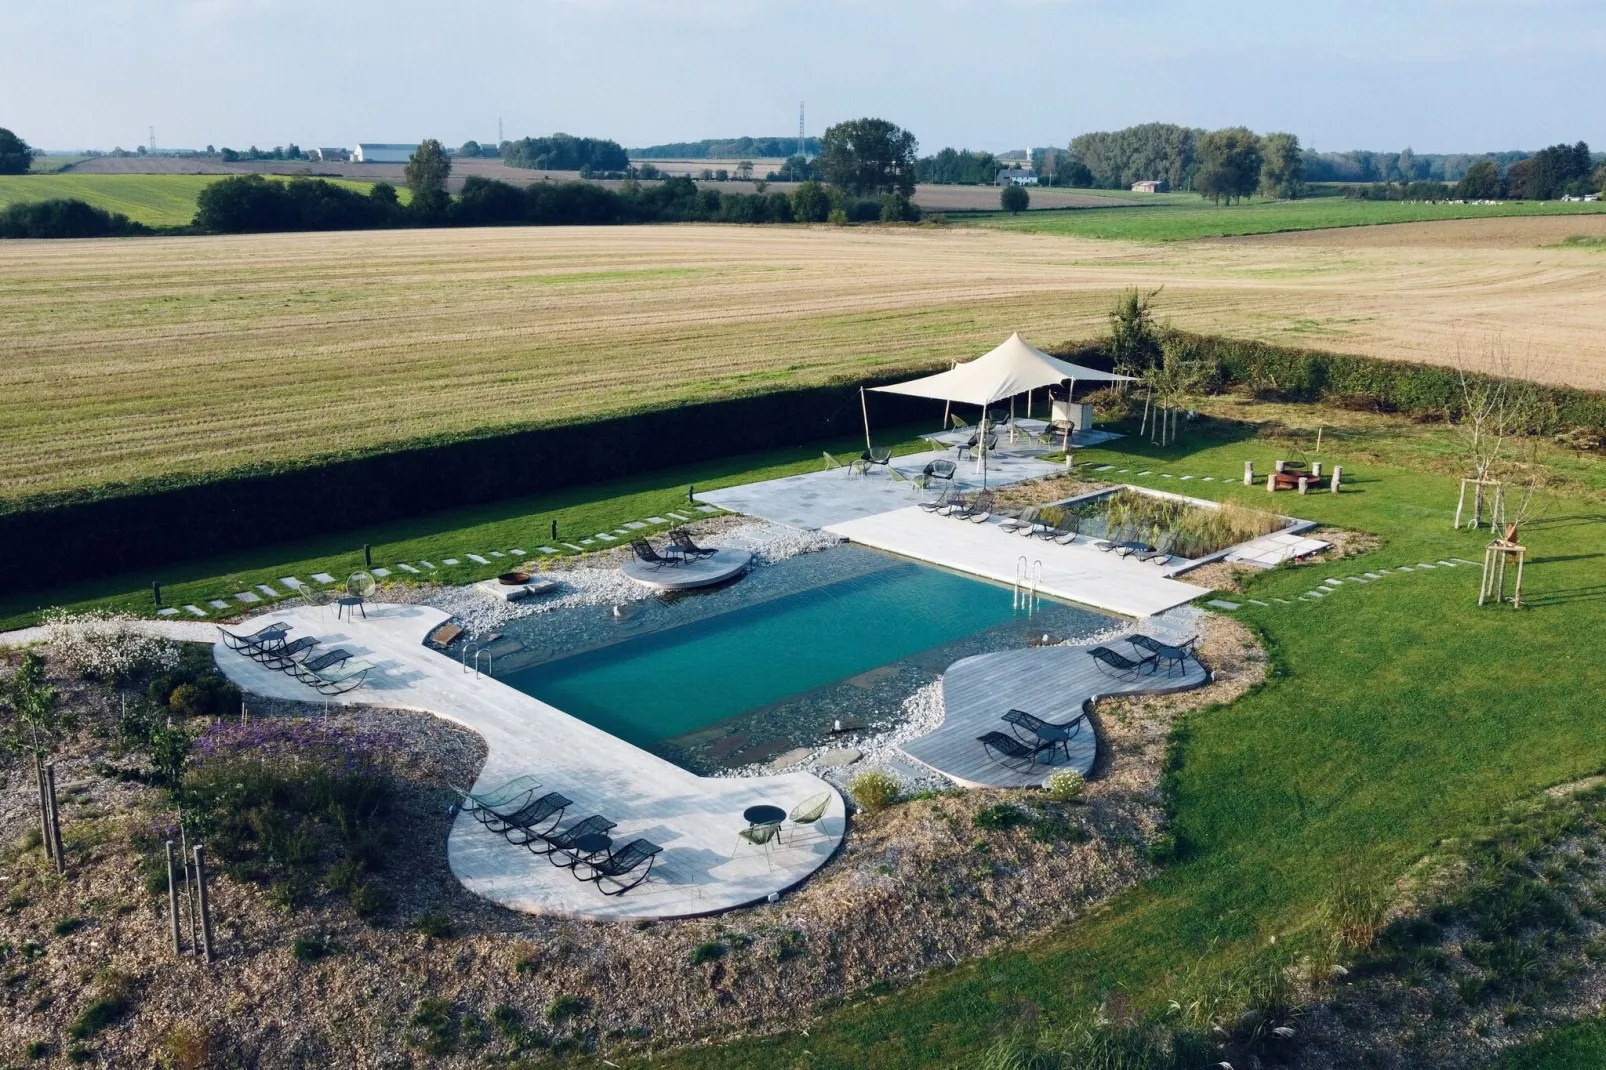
(513, 579)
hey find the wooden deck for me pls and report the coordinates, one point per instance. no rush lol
(694, 819)
(1048, 682)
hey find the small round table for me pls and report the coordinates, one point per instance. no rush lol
(350, 605)
(587, 848)
(763, 815)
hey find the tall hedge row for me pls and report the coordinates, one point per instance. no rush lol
(45, 543)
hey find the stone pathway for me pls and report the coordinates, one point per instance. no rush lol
(1334, 584)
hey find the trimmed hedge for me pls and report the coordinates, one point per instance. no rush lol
(50, 542)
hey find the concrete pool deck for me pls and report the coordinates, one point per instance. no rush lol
(1073, 573)
(694, 819)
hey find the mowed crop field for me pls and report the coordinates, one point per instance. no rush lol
(137, 358)
(155, 200)
(1191, 217)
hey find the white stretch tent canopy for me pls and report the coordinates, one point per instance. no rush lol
(1013, 368)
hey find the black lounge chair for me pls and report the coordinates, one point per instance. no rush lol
(648, 556)
(989, 443)
(683, 542)
(1119, 665)
(323, 662)
(509, 796)
(283, 655)
(1010, 751)
(940, 469)
(1023, 524)
(518, 821)
(1042, 731)
(563, 842)
(941, 503)
(977, 509)
(879, 455)
(1067, 531)
(1165, 653)
(620, 864)
(249, 644)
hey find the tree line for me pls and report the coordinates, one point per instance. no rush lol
(735, 148)
(564, 152)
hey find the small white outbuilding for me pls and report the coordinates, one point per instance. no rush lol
(377, 152)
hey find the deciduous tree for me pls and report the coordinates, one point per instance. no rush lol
(1014, 199)
(1282, 166)
(1480, 183)
(1229, 164)
(428, 168)
(869, 156)
(16, 158)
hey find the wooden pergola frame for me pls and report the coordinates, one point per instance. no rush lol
(1496, 515)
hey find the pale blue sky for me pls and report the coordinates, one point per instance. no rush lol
(1473, 75)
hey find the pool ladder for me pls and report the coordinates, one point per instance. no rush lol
(1027, 580)
(478, 654)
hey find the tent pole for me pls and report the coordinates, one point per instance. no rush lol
(865, 408)
(1012, 419)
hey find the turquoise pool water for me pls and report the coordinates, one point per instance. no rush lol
(770, 661)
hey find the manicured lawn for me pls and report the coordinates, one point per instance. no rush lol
(155, 200)
(1398, 712)
(522, 524)
(1197, 218)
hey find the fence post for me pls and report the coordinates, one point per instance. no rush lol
(55, 817)
(1249, 473)
(1338, 476)
(1271, 482)
(367, 556)
(206, 906)
(172, 899)
(156, 593)
(1304, 484)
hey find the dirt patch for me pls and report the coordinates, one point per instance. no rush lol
(1505, 232)
(1044, 491)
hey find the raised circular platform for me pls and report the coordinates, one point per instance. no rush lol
(718, 567)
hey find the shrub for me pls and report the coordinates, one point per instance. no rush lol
(436, 1025)
(1358, 912)
(874, 791)
(435, 926)
(189, 1046)
(67, 926)
(115, 999)
(1163, 849)
(1064, 785)
(64, 218)
(710, 951)
(106, 646)
(563, 1008)
(36, 1049)
(999, 817)
(312, 948)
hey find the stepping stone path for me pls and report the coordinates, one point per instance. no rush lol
(167, 611)
(1448, 564)
(1143, 473)
(248, 597)
(656, 520)
(1258, 602)
(291, 582)
(636, 525)
(548, 549)
(1187, 477)
(1219, 604)
(1423, 564)
(1105, 468)
(604, 536)
(497, 553)
(323, 577)
(478, 560)
(269, 591)
(451, 561)
(380, 573)
(708, 508)
(587, 542)
(516, 552)
(795, 756)
(428, 565)
(1209, 479)
(573, 546)
(840, 757)
(1373, 576)
(195, 611)
(677, 516)
(1407, 568)
(218, 603)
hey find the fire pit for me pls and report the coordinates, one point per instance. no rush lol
(513, 579)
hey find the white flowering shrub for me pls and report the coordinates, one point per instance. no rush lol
(104, 645)
(1064, 785)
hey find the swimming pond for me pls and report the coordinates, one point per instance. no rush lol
(739, 674)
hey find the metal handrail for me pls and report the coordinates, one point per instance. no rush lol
(486, 654)
(466, 648)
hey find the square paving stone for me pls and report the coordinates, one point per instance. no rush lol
(248, 597)
(269, 591)
(516, 552)
(381, 573)
(548, 549)
(708, 508)
(656, 520)
(497, 553)
(218, 603)
(407, 568)
(1220, 604)
(635, 525)
(428, 564)
(195, 611)
(323, 577)
(478, 560)
(291, 582)
(572, 546)
(604, 536)
(451, 561)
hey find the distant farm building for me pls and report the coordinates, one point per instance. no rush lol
(1016, 176)
(330, 155)
(1152, 185)
(372, 152)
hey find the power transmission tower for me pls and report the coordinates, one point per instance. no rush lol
(153, 141)
(499, 131)
(801, 140)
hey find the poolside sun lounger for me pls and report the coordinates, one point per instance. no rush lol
(1164, 653)
(562, 842)
(326, 662)
(514, 793)
(283, 655)
(648, 556)
(248, 644)
(1042, 731)
(1119, 665)
(1012, 752)
(619, 864)
(940, 504)
(977, 509)
(531, 820)
(683, 542)
(348, 678)
(1027, 519)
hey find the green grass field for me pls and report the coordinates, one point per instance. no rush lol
(155, 200)
(1191, 217)
(1397, 713)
